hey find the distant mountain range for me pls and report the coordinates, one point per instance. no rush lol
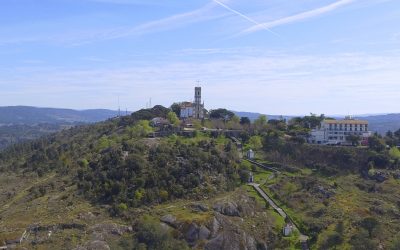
(380, 123)
(32, 115)
(21, 123)
(253, 116)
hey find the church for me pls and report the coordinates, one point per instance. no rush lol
(193, 110)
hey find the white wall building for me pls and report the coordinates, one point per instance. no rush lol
(187, 110)
(335, 132)
(193, 110)
(250, 154)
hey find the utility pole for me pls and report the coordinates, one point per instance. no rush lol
(119, 108)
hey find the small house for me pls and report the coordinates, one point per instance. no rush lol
(287, 230)
(250, 154)
(251, 177)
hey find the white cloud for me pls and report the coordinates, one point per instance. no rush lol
(86, 36)
(332, 81)
(164, 24)
(205, 13)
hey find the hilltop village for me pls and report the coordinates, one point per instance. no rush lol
(185, 177)
(329, 131)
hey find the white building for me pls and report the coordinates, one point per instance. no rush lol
(335, 132)
(187, 110)
(288, 230)
(250, 154)
(251, 177)
(193, 110)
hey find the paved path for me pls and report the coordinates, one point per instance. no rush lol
(303, 238)
(264, 167)
(269, 200)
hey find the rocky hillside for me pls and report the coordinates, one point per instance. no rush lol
(114, 185)
(108, 186)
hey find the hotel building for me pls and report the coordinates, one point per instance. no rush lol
(335, 132)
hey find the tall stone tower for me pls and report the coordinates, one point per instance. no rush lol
(198, 108)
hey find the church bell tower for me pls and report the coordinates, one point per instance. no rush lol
(198, 108)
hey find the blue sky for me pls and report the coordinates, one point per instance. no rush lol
(269, 56)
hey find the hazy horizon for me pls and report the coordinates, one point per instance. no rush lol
(274, 57)
(238, 111)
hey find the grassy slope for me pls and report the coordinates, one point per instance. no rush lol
(350, 204)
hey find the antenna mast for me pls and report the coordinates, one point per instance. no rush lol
(119, 108)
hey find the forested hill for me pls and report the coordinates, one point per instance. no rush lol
(113, 167)
(113, 183)
(32, 115)
(136, 168)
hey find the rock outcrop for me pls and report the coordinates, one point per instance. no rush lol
(170, 220)
(94, 245)
(225, 230)
(228, 208)
(230, 236)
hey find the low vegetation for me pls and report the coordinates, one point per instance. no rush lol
(117, 183)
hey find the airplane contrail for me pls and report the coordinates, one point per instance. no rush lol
(299, 17)
(246, 17)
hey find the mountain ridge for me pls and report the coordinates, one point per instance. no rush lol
(30, 115)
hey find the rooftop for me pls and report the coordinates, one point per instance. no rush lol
(346, 121)
(186, 104)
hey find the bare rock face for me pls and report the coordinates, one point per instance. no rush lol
(204, 233)
(195, 233)
(242, 207)
(215, 227)
(215, 243)
(94, 245)
(192, 233)
(170, 220)
(101, 231)
(198, 207)
(246, 207)
(98, 245)
(226, 230)
(228, 208)
(230, 237)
